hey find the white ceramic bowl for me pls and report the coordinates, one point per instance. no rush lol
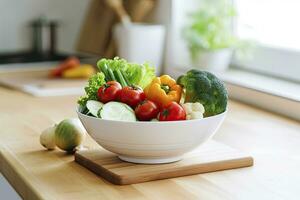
(151, 142)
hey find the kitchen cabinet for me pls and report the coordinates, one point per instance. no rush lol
(36, 173)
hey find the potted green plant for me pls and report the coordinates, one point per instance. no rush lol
(209, 34)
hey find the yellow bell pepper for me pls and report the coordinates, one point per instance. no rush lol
(84, 71)
(163, 90)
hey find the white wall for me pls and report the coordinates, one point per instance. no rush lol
(177, 52)
(15, 15)
(173, 14)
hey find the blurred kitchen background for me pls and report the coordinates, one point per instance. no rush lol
(252, 46)
(52, 30)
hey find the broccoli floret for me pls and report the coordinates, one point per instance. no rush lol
(206, 88)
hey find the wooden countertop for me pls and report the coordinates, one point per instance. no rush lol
(35, 173)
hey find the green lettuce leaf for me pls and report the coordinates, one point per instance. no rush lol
(137, 74)
(148, 74)
(94, 83)
(114, 64)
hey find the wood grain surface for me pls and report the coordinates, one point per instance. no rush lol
(35, 173)
(39, 79)
(210, 157)
(38, 83)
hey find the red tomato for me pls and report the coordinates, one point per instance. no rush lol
(69, 63)
(109, 91)
(114, 83)
(132, 96)
(172, 112)
(146, 110)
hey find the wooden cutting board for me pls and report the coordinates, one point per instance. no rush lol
(210, 157)
(37, 83)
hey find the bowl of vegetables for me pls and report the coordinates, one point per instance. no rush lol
(147, 119)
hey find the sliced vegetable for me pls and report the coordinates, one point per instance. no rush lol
(109, 91)
(146, 110)
(47, 138)
(172, 112)
(94, 107)
(117, 111)
(132, 95)
(193, 110)
(206, 88)
(200, 93)
(163, 90)
(69, 134)
(83, 109)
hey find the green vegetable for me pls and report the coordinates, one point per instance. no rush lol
(69, 134)
(210, 27)
(206, 88)
(105, 72)
(111, 74)
(148, 75)
(125, 77)
(133, 73)
(94, 83)
(117, 111)
(121, 79)
(94, 107)
(47, 138)
(140, 75)
(82, 103)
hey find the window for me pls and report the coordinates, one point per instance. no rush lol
(274, 24)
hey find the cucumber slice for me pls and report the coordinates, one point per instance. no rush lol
(94, 107)
(83, 109)
(117, 111)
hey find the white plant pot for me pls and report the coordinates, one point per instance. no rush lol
(141, 43)
(214, 60)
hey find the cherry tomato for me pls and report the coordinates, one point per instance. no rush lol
(146, 110)
(109, 91)
(172, 112)
(114, 83)
(132, 96)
